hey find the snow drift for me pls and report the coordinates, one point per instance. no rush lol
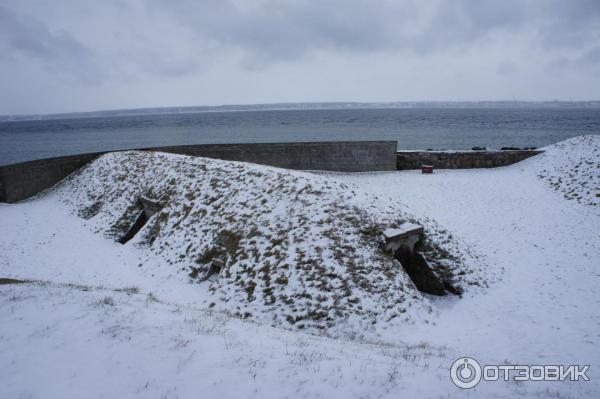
(300, 249)
(572, 168)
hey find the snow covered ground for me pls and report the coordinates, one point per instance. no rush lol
(99, 325)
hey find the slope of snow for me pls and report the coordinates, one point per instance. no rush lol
(572, 167)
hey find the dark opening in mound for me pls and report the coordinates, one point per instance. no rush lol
(215, 268)
(417, 268)
(140, 221)
(149, 208)
(405, 243)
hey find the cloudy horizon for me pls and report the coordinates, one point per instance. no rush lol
(73, 56)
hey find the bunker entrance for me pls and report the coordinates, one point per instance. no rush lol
(403, 243)
(140, 221)
(214, 270)
(420, 272)
(148, 209)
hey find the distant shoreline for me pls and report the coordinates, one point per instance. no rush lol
(308, 107)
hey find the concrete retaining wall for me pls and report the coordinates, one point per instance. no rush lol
(22, 180)
(460, 160)
(350, 156)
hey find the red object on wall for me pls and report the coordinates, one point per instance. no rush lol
(426, 168)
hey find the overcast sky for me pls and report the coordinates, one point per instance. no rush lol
(77, 55)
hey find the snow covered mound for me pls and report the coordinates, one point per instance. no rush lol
(299, 250)
(572, 167)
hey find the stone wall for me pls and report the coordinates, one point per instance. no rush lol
(460, 159)
(22, 180)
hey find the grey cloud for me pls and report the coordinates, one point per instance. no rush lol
(559, 63)
(465, 22)
(135, 51)
(273, 30)
(569, 24)
(506, 68)
(552, 24)
(590, 57)
(57, 50)
(288, 30)
(33, 38)
(278, 30)
(587, 59)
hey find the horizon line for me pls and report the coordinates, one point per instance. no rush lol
(280, 106)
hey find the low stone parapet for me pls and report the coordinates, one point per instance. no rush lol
(461, 159)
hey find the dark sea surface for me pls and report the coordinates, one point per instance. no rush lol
(412, 128)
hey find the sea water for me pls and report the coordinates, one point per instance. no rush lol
(412, 128)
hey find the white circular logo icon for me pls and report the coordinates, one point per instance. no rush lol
(465, 372)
